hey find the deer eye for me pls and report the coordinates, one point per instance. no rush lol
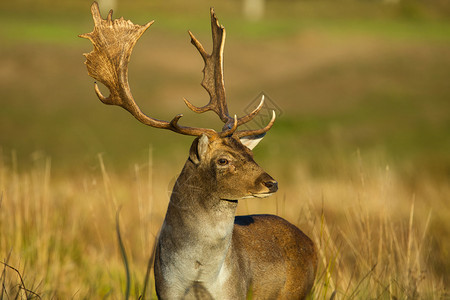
(222, 162)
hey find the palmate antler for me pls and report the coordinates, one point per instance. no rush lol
(113, 42)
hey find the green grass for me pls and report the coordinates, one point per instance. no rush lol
(60, 24)
(361, 76)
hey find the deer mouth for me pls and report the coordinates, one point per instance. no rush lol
(253, 195)
(257, 195)
(262, 195)
(230, 201)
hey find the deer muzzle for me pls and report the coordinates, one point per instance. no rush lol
(265, 185)
(272, 185)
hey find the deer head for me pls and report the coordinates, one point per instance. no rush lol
(222, 151)
(225, 170)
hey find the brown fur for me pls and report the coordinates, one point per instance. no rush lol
(205, 252)
(278, 257)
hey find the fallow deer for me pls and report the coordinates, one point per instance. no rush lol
(204, 251)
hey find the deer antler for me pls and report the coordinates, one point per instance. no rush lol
(214, 84)
(113, 42)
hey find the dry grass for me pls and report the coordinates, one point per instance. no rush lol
(58, 233)
(347, 75)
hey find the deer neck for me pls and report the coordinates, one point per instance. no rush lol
(198, 208)
(198, 227)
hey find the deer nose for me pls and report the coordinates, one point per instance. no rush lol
(272, 185)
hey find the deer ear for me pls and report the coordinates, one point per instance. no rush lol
(252, 140)
(198, 149)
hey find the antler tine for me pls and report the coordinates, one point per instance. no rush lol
(250, 116)
(113, 42)
(213, 72)
(213, 81)
(242, 133)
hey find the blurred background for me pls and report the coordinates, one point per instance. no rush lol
(357, 83)
(347, 75)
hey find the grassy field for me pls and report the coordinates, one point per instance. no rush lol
(376, 238)
(360, 148)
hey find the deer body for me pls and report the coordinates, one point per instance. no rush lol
(204, 251)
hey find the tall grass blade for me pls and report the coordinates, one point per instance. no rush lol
(149, 268)
(124, 256)
(22, 283)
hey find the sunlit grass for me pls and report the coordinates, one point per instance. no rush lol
(373, 235)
